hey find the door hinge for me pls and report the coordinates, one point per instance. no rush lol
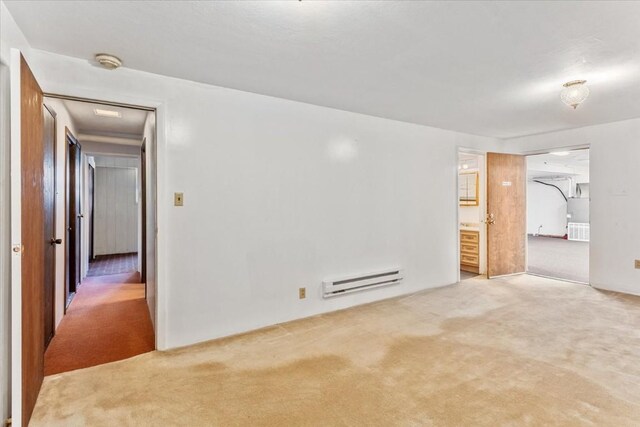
(17, 249)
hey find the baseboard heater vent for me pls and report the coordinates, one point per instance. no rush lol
(347, 285)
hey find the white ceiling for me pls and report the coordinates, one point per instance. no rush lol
(126, 129)
(486, 68)
(576, 163)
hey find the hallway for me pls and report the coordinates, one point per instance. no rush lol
(108, 320)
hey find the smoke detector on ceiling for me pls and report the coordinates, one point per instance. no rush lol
(109, 62)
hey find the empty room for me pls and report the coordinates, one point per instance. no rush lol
(319, 213)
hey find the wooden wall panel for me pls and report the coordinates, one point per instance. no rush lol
(116, 211)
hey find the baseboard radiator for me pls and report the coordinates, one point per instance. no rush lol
(362, 282)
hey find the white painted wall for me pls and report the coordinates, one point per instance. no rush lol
(278, 195)
(63, 119)
(547, 208)
(10, 37)
(615, 197)
(116, 206)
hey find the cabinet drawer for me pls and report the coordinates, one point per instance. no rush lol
(471, 248)
(469, 236)
(469, 259)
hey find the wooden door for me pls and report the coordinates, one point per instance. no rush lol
(506, 214)
(33, 237)
(49, 189)
(74, 217)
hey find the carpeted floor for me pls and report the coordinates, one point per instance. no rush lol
(107, 320)
(113, 264)
(559, 258)
(515, 351)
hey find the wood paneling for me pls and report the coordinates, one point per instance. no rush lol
(116, 211)
(506, 207)
(33, 239)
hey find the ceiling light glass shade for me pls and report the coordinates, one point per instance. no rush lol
(574, 93)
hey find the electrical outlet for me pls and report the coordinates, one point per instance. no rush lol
(302, 293)
(178, 199)
(638, 263)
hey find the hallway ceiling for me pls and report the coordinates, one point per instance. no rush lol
(130, 124)
(486, 68)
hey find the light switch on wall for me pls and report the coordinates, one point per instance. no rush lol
(178, 199)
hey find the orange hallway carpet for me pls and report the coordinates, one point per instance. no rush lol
(108, 320)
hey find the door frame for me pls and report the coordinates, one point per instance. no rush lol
(156, 164)
(55, 215)
(143, 217)
(548, 151)
(108, 96)
(70, 139)
(91, 207)
(462, 149)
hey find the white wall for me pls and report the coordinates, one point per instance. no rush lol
(278, 195)
(63, 119)
(615, 197)
(547, 208)
(10, 37)
(116, 205)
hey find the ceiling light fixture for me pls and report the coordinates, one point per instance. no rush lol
(574, 93)
(107, 113)
(560, 153)
(109, 62)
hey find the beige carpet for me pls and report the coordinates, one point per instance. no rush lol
(517, 351)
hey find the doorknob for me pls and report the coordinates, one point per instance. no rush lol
(491, 219)
(55, 241)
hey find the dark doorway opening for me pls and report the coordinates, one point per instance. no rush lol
(74, 218)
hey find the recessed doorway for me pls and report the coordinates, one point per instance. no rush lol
(558, 231)
(106, 307)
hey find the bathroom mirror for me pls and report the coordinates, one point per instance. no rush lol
(468, 188)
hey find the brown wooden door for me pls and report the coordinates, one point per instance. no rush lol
(49, 189)
(506, 214)
(74, 217)
(35, 241)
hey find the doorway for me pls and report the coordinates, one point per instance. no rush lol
(558, 231)
(74, 217)
(471, 213)
(492, 214)
(107, 315)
